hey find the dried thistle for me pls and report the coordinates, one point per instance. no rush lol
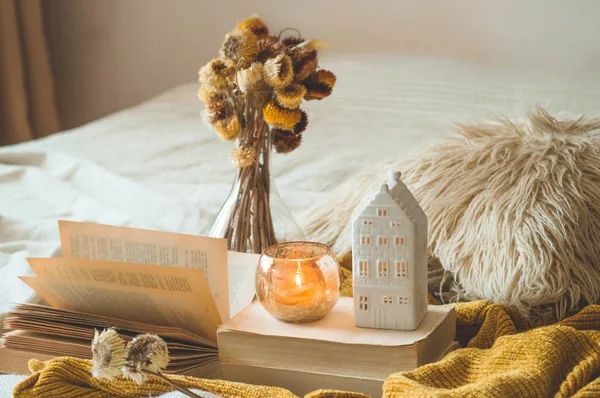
(305, 63)
(285, 141)
(281, 118)
(254, 26)
(319, 85)
(228, 128)
(291, 96)
(145, 353)
(302, 124)
(216, 75)
(243, 157)
(250, 78)
(279, 71)
(108, 354)
(325, 77)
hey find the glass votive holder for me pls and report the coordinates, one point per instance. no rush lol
(298, 281)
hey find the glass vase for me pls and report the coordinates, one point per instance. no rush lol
(254, 216)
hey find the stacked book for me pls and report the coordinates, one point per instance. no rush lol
(328, 354)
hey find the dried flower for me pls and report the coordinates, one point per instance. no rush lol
(253, 25)
(305, 63)
(281, 118)
(239, 46)
(216, 75)
(228, 128)
(250, 78)
(243, 157)
(285, 141)
(302, 124)
(291, 96)
(292, 41)
(146, 352)
(279, 71)
(216, 110)
(108, 354)
(319, 85)
(267, 47)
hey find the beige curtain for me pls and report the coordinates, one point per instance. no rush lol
(27, 105)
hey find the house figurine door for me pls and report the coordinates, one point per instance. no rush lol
(379, 317)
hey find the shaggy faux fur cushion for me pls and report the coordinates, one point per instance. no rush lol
(513, 208)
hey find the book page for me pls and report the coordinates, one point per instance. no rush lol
(242, 271)
(168, 279)
(131, 245)
(166, 308)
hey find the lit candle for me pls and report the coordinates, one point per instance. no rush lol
(298, 281)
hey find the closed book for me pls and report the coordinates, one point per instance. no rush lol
(331, 347)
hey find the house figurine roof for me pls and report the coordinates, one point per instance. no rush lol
(403, 197)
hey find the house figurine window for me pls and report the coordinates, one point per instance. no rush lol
(363, 268)
(395, 224)
(363, 303)
(367, 223)
(365, 240)
(382, 212)
(401, 269)
(382, 269)
(403, 300)
(399, 241)
(388, 300)
(382, 241)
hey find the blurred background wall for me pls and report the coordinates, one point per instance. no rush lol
(110, 54)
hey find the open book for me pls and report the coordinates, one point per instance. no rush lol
(180, 287)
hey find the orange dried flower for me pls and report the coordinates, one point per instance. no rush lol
(302, 124)
(253, 25)
(319, 85)
(290, 96)
(281, 118)
(279, 71)
(285, 141)
(305, 63)
(238, 46)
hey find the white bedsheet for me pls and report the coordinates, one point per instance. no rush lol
(158, 166)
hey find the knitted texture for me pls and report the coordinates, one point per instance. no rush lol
(506, 355)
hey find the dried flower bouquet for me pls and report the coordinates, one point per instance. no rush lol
(253, 93)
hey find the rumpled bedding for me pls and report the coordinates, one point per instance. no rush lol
(158, 166)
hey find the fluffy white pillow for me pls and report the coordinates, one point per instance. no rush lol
(513, 209)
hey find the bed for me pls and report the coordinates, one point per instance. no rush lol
(158, 166)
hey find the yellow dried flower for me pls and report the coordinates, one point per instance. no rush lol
(279, 71)
(108, 354)
(285, 141)
(291, 96)
(281, 118)
(250, 78)
(146, 352)
(254, 26)
(243, 157)
(228, 129)
(216, 75)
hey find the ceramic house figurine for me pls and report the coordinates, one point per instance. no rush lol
(389, 264)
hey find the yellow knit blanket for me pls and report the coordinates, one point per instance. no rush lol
(505, 356)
